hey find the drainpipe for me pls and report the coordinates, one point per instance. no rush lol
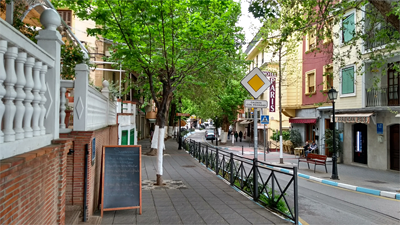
(85, 207)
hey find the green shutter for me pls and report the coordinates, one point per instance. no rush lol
(132, 136)
(124, 138)
(348, 80)
(348, 28)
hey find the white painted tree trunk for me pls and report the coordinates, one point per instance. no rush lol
(224, 137)
(154, 141)
(160, 151)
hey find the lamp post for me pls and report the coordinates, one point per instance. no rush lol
(216, 132)
(179, 126)
(332, 94)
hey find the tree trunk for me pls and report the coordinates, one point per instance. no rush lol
(384, 8)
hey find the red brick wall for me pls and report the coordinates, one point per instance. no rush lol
(76, 166)
(32, 186)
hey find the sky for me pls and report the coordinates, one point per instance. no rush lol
(248, 22)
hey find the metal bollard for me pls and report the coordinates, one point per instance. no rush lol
(207, 156)
(216, 162)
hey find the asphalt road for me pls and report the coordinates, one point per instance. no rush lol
(325, 204)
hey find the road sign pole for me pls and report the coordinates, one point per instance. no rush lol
(255, 134)
(265, 156)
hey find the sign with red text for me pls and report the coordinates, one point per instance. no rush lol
(272, 95)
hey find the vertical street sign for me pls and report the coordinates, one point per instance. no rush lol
(272, 95)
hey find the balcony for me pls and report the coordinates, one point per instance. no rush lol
(385, 96)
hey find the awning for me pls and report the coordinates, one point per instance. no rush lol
(244, 122)
(352, 118)
(302, 120)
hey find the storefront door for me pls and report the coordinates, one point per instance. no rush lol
(360, 143)
(394, 147)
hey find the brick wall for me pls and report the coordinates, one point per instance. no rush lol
(76, 166)
(33, 186)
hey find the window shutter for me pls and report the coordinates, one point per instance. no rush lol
(348, 28)
(66, 15)
(348, 80)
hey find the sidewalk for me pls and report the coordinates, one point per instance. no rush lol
(358, 178)
(194, 195)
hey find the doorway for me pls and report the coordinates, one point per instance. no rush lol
(360, 139)
(394, 147)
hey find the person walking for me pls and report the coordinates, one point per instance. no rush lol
(233, 138)
(236, 135)
(240, 135)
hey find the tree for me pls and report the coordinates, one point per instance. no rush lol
(168, 42)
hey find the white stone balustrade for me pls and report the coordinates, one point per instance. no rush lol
(63, 102)
(92, 109)
(26, 70)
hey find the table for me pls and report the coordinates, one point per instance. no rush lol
(298, 151)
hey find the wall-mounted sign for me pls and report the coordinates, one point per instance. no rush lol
(359, 142)
(272, 95)
(379, 128)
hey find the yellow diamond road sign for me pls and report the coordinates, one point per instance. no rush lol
(256, 82)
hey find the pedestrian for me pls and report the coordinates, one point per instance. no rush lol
(236, 136)
(306, 147)
(233, 140)
(312, 148)
(229, 134)
(240, 135)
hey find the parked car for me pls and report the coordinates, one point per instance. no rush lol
(210, 135)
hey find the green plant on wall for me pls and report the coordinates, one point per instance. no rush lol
(71, 55)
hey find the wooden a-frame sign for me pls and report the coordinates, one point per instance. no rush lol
(121, 178)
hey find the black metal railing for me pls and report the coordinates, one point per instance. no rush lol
(382, 97)
(273, 186)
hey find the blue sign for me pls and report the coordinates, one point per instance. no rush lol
(264, 119)
(379, 128)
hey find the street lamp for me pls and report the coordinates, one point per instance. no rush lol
(216, 132)
(332, 94)
(179, 126)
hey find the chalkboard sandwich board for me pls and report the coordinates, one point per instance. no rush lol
(122, 178)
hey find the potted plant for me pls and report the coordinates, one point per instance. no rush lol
(329, 141)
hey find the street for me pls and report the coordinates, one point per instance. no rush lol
(325, 204)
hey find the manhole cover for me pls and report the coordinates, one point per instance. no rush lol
(376, 181)
(188, 166)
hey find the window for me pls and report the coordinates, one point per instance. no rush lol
(310, 82)
(257, 61)
(347, 86)
(312, 40)
(328, 31)
(348, 27)
(262, 57)
(66, 15)
(328, 77)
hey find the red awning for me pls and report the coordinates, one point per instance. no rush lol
(302, 120)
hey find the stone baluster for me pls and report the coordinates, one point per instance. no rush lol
(3, 49)
(9, 83)
(62, 108)
(36, 99)
(30, 62)
(43, 100)
(21, 81)
(50, 40)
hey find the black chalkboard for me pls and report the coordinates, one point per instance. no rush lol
(122, 178)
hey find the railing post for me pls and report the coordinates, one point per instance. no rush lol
(9, 97)
(206, 156)
(296, 196)
(255, 179)
(36, 98)
(231, 169)
(30, 62)
(62, 107)
(216, 162)
(199, 152)
(80, 97)
(3, 49)
(43, 100)
(50, 40)
(21, 81)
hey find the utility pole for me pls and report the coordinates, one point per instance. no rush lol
(280, 106)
